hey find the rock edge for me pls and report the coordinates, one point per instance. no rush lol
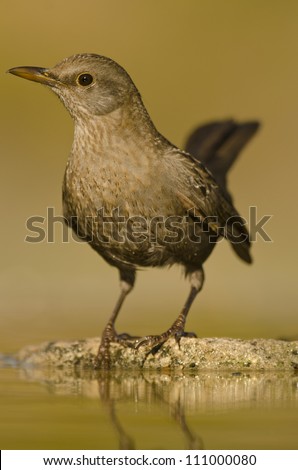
(189, 354)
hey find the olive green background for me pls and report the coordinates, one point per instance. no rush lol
(193, 61)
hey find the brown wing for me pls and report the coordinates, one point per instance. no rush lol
(204, 199)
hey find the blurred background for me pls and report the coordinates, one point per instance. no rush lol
(193, 61)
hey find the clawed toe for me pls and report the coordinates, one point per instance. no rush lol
(103, 359)
(189, 334)
(126, 339)
(149, 342)
(153, 343)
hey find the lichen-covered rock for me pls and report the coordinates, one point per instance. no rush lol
(189, 354)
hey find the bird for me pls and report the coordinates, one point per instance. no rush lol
(137, 199)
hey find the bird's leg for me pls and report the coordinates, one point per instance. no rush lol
(177, 328)
(109, 335)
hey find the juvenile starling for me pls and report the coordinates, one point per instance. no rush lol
(132, 195)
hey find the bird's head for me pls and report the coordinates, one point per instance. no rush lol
(87, 84)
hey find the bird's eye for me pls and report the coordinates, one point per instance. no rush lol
(85, 79)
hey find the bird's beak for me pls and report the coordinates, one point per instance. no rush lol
(36, 74)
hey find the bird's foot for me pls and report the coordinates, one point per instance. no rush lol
(103, 358)
(153, 343)
(126, 339)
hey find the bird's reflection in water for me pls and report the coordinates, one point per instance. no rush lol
(184, 395)
(112, 389)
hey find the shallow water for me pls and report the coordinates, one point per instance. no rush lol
(44, 409)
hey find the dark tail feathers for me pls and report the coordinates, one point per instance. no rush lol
(218, 144)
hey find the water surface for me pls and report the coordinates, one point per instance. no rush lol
(46, 409)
